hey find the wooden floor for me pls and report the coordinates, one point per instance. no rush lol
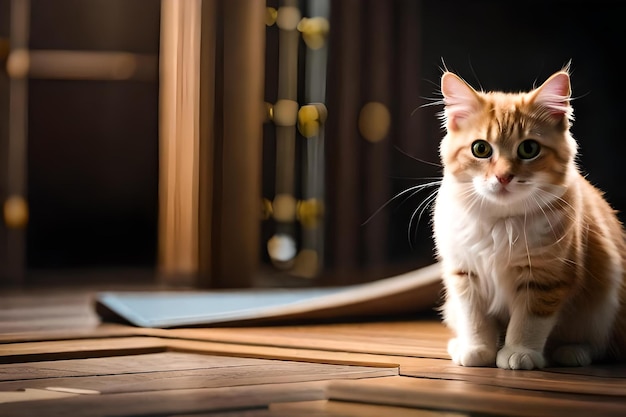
(56, 358)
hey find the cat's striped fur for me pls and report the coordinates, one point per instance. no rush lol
(533, 256)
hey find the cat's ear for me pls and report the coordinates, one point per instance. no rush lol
(460, 100)
(554, 95)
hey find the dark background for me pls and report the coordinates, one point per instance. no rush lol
(93, 146)
(513, 46)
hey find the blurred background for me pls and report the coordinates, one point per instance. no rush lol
(218, 143)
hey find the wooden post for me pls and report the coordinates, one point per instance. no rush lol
(14, 203)
(344, 144)
(236, 225)
(4, 150)
(208, 132)
(212, 76)
(179, 140)
(377, 98)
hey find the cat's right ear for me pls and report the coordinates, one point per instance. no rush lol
(460, 100)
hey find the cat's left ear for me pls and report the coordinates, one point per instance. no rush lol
(554, 95)
(460, 99)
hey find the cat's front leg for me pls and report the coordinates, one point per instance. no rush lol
(525, 339)
(465, 312)
(533, 316)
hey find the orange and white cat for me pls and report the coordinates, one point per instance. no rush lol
(533, 256)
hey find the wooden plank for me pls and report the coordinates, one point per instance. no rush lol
(223, 372)
(56, 329)
(21, 311)
(75, 349)
(120, 365)
(301, 355)
(469, 397)
(32, 395)
(425, 338)
(26, 324)
(54, 314)
(602, 380)
(260, 412)
(606, 371)
(550, 379)
(351, 409)
(170, 402)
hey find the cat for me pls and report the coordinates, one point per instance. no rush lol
(532, 255)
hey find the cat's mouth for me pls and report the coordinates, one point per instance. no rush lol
(498, 189)
(501, 193)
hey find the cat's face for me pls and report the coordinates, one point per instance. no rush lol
(509, 149)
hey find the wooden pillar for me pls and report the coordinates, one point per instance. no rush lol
(237, 195)
(208, 132)
(343, 142)
(179, 140)
(4, 141)
(374, 126)
(212, 76)
(14, 200)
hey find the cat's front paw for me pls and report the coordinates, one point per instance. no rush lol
(519, 357)
(471, 355)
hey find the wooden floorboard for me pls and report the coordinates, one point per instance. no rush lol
(190, 371)
(170, 402)
(467, 396)
(613, 381)
(420, 337)
(56, 358)
(78, 349)
(354, 409)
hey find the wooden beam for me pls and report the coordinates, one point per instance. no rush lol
(14, 205)
(90, 65)
(208, 132)
(179, 140)
(238, 193)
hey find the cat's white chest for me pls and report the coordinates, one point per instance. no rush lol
(475, 244)
(472, 238)
(477, 227)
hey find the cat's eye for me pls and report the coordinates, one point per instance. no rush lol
(528, 149)
(481, 149)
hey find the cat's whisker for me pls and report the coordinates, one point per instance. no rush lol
(535, 198)
(411, 191)
(417, 159)
(423, 206)
(433, 102)
(416, 178)
(530, 265)
(557, 196)
(474, 199)
(422, 202)
(556, 203)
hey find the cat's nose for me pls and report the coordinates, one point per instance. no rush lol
(505, 179)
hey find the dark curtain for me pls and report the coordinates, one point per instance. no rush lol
(374, 58)
(394, 51)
